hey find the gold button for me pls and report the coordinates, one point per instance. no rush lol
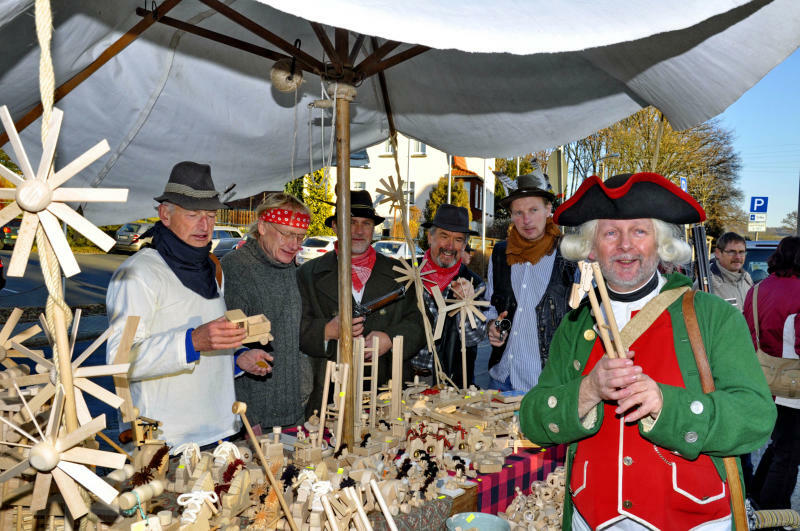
(577, 365)
(553, 427)
(552, 402)
(589, 335)
(627, 504)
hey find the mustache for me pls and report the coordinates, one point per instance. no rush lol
(627, 257)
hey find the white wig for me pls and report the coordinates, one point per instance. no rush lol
(671, 249)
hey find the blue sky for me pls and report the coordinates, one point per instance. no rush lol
(766, 126)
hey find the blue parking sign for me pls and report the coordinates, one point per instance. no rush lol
(758, 204)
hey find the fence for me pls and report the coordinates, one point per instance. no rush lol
(235, 217)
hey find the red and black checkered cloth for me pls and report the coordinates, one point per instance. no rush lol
(496, 491)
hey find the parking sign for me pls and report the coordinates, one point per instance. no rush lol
(758, 204)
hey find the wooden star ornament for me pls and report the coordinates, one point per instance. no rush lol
(409, 273)
(466, 308)
(39, 198)
(393, 193)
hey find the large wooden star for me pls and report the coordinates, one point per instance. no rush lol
(393, 193)
(466, 308)
(40, 199)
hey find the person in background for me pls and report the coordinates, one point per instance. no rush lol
(729, 280)
(182, 363)
(262, 279)
(447, 239)
(372, 277)
(529, 284)
(646, 443)
(466, 255)
(778, 307)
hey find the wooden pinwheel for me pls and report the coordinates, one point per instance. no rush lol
(6, 351)
(46, 375)
(409, 273)
(40, 198)
(393, 193)
(56, 455)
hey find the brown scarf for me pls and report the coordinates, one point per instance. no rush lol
(519, 250)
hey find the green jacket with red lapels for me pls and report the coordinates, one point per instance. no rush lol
(736, 418)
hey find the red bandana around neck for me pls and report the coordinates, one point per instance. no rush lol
(441, 276)
(360, 266)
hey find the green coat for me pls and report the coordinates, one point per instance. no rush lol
(319, 290)
(737, 417)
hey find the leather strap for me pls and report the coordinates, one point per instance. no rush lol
(707, 381)
(217, 269)
(645, 317)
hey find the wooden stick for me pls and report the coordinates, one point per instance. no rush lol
(114, 445)
(324, 407)
(239, 408)
(345, 368)
(612, 321)
(65, 369)
(602, 327)
(382, 503)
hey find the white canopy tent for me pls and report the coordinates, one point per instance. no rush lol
(501, 79)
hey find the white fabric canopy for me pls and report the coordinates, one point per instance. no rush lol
(504, 79)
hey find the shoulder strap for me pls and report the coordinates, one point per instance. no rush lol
(755, 315)
(707, 381)
(647, 315)
(217, 268)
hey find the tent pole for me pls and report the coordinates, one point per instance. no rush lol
(345, 94)
(109, 53)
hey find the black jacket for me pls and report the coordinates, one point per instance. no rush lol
(551, 308)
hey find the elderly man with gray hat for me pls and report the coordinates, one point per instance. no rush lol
(447, 238)
(529, 283)
(182, 357)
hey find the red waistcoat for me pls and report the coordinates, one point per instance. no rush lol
(617, 473)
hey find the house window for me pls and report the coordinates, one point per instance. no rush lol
(410, 193)
(418, 148)
(478, 195)
(387, 147)
(360, 185)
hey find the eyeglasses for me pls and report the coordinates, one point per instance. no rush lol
(297, 238)
(732, 252)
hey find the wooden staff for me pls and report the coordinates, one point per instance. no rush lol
(612, 321)
(239, 408)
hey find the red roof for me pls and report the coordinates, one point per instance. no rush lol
(460, 168)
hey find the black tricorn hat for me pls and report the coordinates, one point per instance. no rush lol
(451, 217)
(629, 196)
(360, 207)
(190, 186)
(527, 186)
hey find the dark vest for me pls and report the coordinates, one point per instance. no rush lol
(549, 311)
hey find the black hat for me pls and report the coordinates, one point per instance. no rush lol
(190, 186)
(629, 196)
(360, 207)
(452, 218)
(529, 185)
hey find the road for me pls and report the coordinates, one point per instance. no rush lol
(87, 287)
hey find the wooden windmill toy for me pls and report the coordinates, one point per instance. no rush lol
(41, 200)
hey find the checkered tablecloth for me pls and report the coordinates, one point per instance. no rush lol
(496, 491)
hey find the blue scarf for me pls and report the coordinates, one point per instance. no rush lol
(191, 265)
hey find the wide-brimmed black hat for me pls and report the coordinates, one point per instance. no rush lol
(360, 207)
(190, 186)
(629, 196)
(452, 218)
(527, 186)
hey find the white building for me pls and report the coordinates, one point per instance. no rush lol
(421, 166)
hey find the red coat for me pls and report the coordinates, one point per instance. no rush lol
(778, 298)
(610, 468)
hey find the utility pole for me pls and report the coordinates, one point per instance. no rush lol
(449, 177)
(797, 220)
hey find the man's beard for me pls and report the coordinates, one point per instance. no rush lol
(647, 266)
(440, 258)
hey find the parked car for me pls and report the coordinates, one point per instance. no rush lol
(129, 237)
(758, 252)
(224, 231)
(314, 247)
(397, 249)
(2, 275)
(10, 230)
(226, 245)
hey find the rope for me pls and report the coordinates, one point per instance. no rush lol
(224, 450)
(51, 271)
(187, 450)
(192, 502)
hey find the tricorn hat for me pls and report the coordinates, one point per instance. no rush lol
(360, 207)
(190, 186)
(451, 217)
(629, 196)
(527, 186)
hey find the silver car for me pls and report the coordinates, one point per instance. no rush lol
(314, 247)
(129, 237)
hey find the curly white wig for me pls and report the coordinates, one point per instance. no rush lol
(671, 249)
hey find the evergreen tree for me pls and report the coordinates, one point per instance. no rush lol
(319, 199)
(458, 197)
(295, 187)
